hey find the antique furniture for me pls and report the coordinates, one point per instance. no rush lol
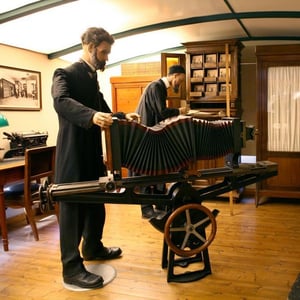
(278, 69)
(213, 77)
(127, 90)
(213, 89)
(10, 171)
(20, 183)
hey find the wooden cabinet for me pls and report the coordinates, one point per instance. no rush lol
(213, 88)
(127, 90)
(278, 97)
(213, 79)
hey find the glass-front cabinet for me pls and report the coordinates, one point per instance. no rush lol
(213, 79)
(278, 122)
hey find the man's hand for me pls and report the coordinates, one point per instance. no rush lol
(104, 120)
(133, 117)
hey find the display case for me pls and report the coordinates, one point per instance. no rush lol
(213, 89)
(213, 77)
(277, 133)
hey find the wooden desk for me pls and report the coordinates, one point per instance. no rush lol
(10, 170)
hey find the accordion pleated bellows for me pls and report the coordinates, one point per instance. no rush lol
(171, 145)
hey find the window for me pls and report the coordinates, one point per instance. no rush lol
(284, 109)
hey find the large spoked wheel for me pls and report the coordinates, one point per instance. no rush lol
(190, 229)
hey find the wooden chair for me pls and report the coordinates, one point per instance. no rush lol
(39, 166)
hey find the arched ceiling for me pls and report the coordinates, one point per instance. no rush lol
(142, 27)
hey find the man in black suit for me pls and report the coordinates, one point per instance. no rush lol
(82, 112)
(152, 108)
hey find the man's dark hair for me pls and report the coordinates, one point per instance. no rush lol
(176, 69)
(96, 35)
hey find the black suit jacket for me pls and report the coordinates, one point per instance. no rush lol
(152, 106)
(77, 98)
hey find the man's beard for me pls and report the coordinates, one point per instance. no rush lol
(176, 89)
(98, 64)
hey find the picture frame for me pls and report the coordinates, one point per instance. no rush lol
(223, 88)
(211, 88)
(211, 58)
(222, 74)
(20, 89)
(198, 74)
(222, 59)
(197, 59)
(222, 91)
(212, 73)
(199, 88)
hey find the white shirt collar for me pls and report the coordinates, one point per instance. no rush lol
(92, 67)
(166, 82)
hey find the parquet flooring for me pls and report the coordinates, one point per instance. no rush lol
(255, 256)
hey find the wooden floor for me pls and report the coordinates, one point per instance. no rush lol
(255, 255)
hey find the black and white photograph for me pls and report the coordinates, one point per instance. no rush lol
(20, 89)
(212, 73)
(198, 74)
(197, 59)
(222, 60)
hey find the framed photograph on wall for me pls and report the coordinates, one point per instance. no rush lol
(20, 89)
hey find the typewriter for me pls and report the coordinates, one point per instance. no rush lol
(20, 141)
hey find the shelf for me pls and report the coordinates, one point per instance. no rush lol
(212, 68)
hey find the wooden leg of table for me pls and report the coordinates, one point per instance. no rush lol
(231, 202)
(3, 221)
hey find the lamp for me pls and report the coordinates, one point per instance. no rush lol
(3, 121)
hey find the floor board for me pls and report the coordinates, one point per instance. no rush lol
(255, 256)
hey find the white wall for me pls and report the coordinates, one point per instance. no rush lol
(46, 118)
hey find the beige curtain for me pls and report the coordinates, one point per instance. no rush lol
(284, 109)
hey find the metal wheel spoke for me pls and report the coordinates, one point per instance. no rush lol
(188, 217)
(177, 229)
(196, 225)
(199, 236)
(185, 240)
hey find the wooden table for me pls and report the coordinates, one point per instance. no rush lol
(10, 170)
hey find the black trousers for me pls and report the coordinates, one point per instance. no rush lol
(77, 221)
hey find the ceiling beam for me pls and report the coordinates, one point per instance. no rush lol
(238, 20)
(30, 9)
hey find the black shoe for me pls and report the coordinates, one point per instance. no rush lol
(85, 280)
(162, 207)
(148, 212)
(105, 253)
